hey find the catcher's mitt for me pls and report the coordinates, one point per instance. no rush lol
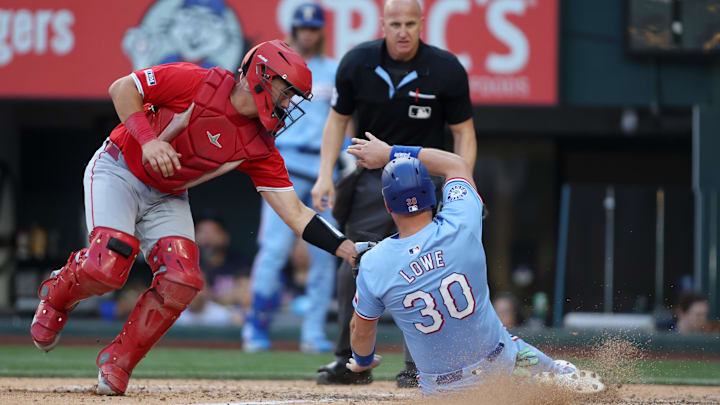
(361, 248)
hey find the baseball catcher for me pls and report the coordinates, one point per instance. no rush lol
(181, 125)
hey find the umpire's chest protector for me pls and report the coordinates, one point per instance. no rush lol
(217, 138)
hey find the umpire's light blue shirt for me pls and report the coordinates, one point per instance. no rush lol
(434, 284)
(300, 144)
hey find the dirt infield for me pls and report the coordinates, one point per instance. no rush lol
(58, 391)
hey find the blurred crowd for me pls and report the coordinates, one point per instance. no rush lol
(691, 315)
(688, 316)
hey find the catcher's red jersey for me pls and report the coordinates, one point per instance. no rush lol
(218, 139)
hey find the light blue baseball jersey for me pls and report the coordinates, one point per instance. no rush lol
(434, 284)
(300, 144)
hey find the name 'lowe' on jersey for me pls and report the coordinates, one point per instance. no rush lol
(437, 289)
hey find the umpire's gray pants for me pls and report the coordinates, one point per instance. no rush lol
(368, 220)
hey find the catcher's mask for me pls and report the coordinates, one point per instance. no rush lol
(407, 187)
(266, 62)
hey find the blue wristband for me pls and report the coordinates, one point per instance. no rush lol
(404, 151)
(363, 361)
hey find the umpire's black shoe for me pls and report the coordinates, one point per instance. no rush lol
(336, 373)
(408, 377)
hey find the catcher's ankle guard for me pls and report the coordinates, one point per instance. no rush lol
(320, 233)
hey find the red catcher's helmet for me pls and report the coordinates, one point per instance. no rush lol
(270, 60)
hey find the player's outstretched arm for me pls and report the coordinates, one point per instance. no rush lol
(362, 342)
(323, 192)
(374, 154)
(306, 223)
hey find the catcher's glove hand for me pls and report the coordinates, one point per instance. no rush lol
(361, 248)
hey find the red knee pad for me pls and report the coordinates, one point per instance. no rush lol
(178, 259)
(177, 279)
(110, 256)
(102, 267)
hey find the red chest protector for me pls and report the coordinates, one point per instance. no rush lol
(216, 140)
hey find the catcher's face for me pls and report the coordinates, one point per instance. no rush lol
(286, 100)
(281, 93)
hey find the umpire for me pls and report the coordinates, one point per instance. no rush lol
(404, 92)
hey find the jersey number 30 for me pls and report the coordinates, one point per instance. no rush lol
(449, 301)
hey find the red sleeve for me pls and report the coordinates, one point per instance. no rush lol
(171, 85)
(268, 174)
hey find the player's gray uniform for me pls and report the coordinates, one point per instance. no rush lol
(116, 199)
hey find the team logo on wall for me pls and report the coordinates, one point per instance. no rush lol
(204, 32)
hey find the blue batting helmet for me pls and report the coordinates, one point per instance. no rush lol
(406, 186)
(308, 15)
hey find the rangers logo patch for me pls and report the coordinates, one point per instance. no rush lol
(457, 192)
(149, 77)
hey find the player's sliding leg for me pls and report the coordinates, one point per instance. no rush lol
(533, 363)
(177, 279)
(102, 267)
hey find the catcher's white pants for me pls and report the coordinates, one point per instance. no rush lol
(116, 199)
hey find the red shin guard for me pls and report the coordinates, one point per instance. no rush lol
(177, 279)
(102, 267)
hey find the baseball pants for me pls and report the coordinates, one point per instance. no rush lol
(116, 199)
(437, 384)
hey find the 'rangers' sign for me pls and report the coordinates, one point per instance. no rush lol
(75, 48)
